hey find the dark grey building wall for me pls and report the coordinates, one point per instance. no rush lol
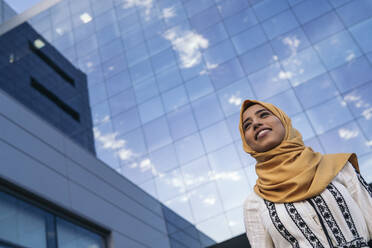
(37, 75)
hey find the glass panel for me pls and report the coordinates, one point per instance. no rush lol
(164, 159)
(287, 101)
(280, 24)
(337, 50)
(352, 74)
(269, 81)
(189, 148)
(329, 115)
(114, 65)
(362, 34)
(258, 58)
(157, 134)
(107, 18)
(100, 113)
(194, 6)
(205, 19)
(216, 136)
(141, 71)
(181, 122)
(129, 22)
(174, 98)
(131, 146)
(205, 202)
(97, 93)
(181, 206)
(268, 8)
(21, 223)
(168, 79)
(224, 161)
(207, 111)
(235, 221)
(365, 123)
(310, 9)
(365, 167)
(217, 229)
(198, 87)
(228, 183)
(314, 143)
(219, 53)
(232, 96)
(232, 122)
(73, 236)
(302, 124)
(151, 109)
(126, 121)
(347, 12)
(290, 44)
(157, 44)
(249, 39)
(133, 38)
(302, 66)
(241, 21)
(347, 138)
(146, 90)
(163, 60)
(122, 101)
(118, 83)
(229, 7)
(170, 185)
(137, 54)
(196, 173)
(337, 3)
(107, 34)
(215, 34)
(106, 143)
(330, 24)
(139, 170)
(360, 101)
(226, 73)
(326, 90)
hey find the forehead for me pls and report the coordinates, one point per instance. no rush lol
(250, 111)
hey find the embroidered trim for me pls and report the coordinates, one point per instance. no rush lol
(356, 243)
(364, 183)
(328, 217)
(344, 209)
(301, 224)
(279, 225)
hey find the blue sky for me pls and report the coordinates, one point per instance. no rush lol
(21, 5)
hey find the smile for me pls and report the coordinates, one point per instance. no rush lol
(262, 133)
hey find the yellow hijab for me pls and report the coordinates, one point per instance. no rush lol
(291, 171)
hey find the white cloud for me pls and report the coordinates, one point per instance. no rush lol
(146, 4)
(85, 17)
(210, 200)
(347, 134)
(235, 100)
(168, 13)
(188, 44)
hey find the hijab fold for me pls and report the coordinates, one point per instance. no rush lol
(292, 172)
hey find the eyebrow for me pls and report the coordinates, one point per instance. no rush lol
(257, 112)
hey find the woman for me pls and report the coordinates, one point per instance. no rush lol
(301, 198)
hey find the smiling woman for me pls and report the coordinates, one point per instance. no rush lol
(301, 198)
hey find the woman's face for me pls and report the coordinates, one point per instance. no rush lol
(262, 130)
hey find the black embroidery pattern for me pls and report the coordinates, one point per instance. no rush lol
(356, 243)
(364, 183)
(344, 209)
(279, 225)
(301, 224)
(328, 217)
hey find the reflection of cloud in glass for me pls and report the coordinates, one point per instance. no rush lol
(350, 56)
(85, 17)
(104, 119)
(144, 166)
(293, 43)
(235, 100)
(359, 103)
(111, 142)
(192, 179)
(188, 45)
(209, 67)
(168, 13)
(347, 134)
(209, 200)
(147, 4)
(369, 143)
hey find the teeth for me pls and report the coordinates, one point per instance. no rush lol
(262, 132)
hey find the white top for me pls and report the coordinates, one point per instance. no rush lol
(344, 208)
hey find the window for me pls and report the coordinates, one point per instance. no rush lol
(25, 223)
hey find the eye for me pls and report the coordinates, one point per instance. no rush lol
(246, 126)
(264, 114)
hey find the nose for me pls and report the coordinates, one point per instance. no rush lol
(256, 124)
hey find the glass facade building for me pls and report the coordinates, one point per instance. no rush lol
(166, 79)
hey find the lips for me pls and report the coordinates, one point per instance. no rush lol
(262, 132)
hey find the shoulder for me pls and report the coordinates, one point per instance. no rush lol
(252, 202)
(347, 172)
